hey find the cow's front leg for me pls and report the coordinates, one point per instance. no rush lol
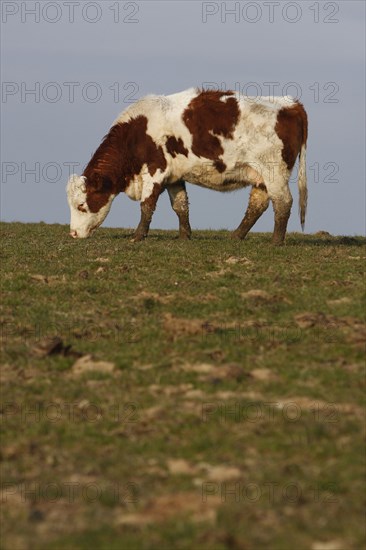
(179, 201)
(147, 206)
(258, 203)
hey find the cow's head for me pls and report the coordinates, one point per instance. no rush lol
(89, 205)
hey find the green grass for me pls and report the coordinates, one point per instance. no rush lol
(270, 432)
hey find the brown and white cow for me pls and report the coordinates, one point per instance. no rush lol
(216, 139)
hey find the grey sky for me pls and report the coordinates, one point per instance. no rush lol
(135, 48)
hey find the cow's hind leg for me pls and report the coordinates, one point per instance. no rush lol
(147, 210)
(282, 210)
(179, 201)
(258, 203)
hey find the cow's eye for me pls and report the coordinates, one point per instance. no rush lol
(81, 207)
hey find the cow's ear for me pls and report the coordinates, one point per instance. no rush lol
(83, 186)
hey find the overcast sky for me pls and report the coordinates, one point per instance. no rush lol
(85, 61)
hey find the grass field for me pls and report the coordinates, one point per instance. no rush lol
(219, 405)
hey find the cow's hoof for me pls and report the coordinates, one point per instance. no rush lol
(137, 238)
(278, 243)
(184, 237)
(237, 235)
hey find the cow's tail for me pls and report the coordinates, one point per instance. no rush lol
(301, 182)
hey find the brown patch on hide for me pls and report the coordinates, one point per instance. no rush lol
(292, 129)
(207, 117)
(119, 158)
(220, 166)
(262, 187)
(176, 147)
(151, 201)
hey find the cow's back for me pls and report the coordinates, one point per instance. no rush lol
(220, 134)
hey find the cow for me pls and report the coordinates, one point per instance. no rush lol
(220, 140)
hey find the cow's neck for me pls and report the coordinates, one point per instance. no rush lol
(108, 161)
